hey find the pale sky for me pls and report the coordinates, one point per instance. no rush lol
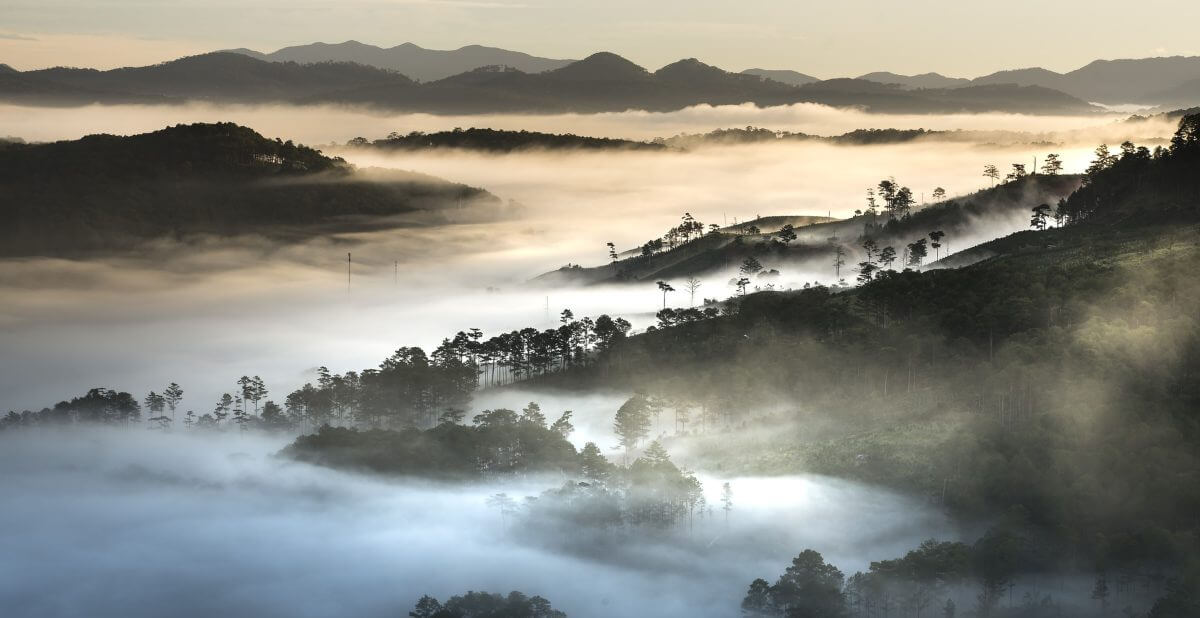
(826, 39)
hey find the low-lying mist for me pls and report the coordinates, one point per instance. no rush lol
(324, 124)
(151, 523)
(206, 311)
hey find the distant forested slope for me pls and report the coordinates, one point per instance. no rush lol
(496, 140)
(106, 192)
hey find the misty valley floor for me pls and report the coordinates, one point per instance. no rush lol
(146, 523)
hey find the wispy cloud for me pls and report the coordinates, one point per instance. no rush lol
(9, 36)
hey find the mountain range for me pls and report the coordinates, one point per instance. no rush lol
(396, 77)
(602, 82)
(1154, 81)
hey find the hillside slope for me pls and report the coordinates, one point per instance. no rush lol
(965, 221)
(1048, 392)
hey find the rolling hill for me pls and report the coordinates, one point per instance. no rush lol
(966, 220)
(1111, 81)
(219, 76)
(109, 193)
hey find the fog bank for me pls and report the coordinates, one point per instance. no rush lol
(324, 124)
(208, 311)
(104, 521)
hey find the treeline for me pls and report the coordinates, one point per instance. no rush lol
(1138, 185)
(759, 135)
(486, 605)
(410, 388)
(650, 492)
(505, 141)
(950, 579)
(496, 140)
(497, 442)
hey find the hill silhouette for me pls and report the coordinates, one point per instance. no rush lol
(1110, 81)
(222, 76)
(410, 59)
(602, 82)
(110, 193)
(924, 80)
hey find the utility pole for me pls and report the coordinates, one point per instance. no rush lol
(347, 272)
(547, 309)
(396, 274)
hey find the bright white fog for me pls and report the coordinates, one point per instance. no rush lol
(206, 313)
(131, 522)
(326, 124)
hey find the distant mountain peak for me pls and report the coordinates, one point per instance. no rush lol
(4, 68)
(602, 66)
(690, 63)
(693, 72)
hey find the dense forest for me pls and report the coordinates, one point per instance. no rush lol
(105, 192)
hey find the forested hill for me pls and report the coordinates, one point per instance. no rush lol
(1019, 390)
(809, 242)
(105, 192)
(179, 152)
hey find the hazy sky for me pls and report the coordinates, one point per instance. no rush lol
(828, 39)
